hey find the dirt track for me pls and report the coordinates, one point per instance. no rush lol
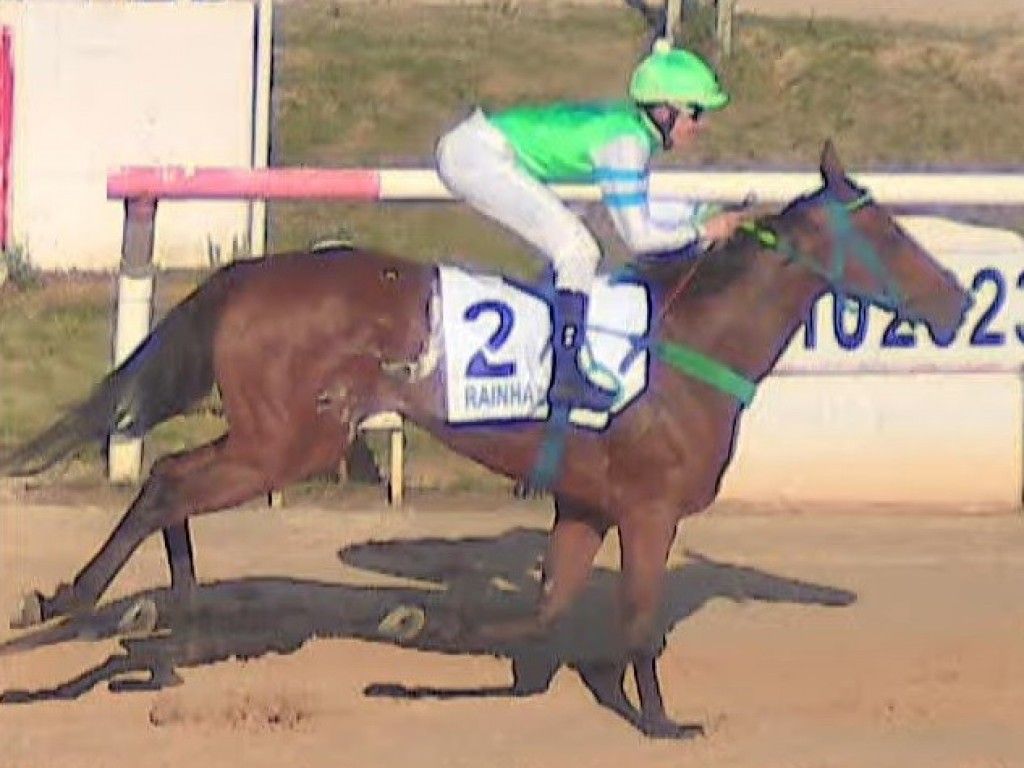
(795, 640)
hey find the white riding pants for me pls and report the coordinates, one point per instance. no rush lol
(477, 163)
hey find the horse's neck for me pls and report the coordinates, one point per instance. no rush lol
(749, 323)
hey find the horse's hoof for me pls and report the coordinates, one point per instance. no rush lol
(403, 623)
(30, 611)
(140, 619)
(663, 728)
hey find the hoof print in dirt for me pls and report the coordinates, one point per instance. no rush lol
(140, 618)
(403, 624)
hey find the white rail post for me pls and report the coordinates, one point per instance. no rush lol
(673, 18)
(724, 11)
(391, 423)
(134, 315)
(261, 121)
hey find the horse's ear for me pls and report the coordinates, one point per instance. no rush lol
(831, 166)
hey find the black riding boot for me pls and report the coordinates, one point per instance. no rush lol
(570, 386)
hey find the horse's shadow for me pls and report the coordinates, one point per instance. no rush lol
(470, 581)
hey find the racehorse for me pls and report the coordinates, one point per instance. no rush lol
(303, 346)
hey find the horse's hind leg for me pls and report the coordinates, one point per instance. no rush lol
(232, 474)
(144, 517)
(217, 485)
(178, 537)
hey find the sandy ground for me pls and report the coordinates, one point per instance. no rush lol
(797, 641)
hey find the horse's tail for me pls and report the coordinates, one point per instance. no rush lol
(167, 373)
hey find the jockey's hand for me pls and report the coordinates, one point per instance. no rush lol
(721, 226)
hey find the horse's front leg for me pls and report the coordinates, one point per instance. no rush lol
(572, 545)
(645, 540)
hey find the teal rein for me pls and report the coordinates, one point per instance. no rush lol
(701, 367)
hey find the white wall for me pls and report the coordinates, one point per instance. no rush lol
(102, 85)
(835, 429)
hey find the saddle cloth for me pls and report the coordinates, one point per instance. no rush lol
(497, 346)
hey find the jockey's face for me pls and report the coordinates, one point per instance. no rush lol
(686, 128)
(679, 125)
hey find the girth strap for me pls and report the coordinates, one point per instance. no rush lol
(692, 363)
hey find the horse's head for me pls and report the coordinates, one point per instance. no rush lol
(872, 258)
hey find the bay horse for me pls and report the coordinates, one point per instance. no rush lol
(303, 346)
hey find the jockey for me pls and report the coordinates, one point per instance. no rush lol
(500, 164)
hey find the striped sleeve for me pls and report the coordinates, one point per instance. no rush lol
(645, 225)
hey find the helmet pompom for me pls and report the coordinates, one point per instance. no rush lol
(661, 45)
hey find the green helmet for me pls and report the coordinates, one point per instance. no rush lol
(677, 77)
